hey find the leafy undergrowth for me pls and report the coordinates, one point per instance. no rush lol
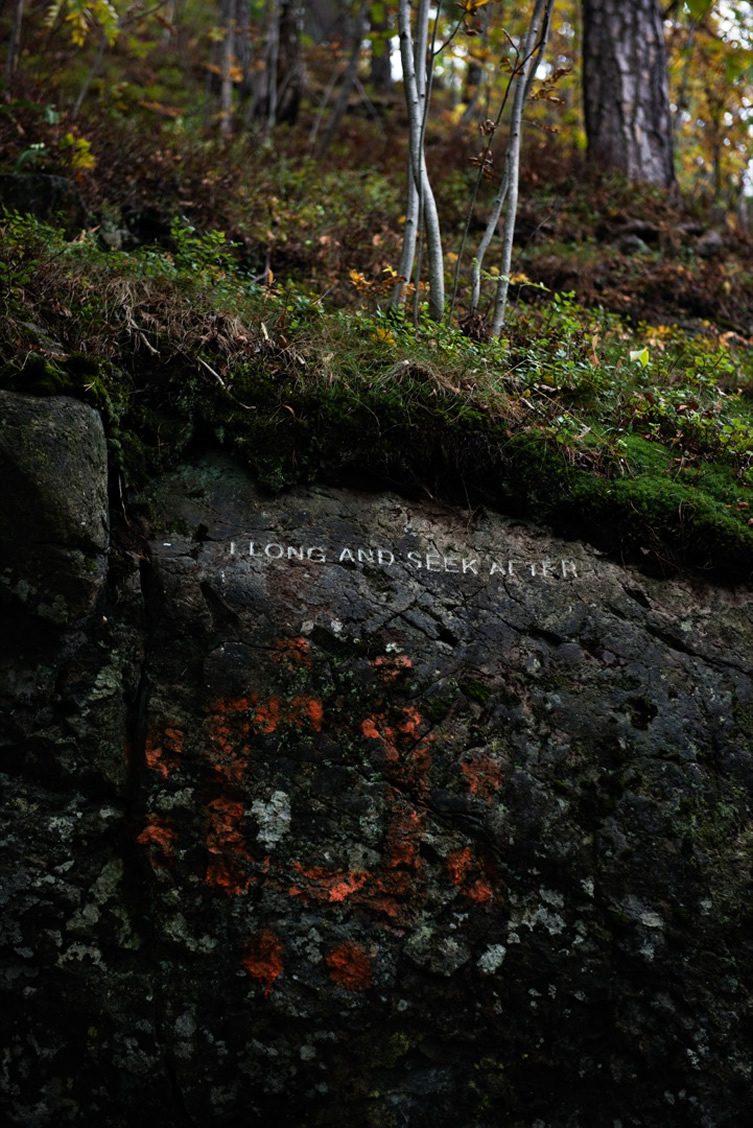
(639, 438)
(312, 221)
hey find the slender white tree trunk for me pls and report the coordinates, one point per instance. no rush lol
(506, 197)
(535, 43)
(421, 202)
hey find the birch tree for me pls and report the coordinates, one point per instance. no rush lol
(528, 58)
(421, 207)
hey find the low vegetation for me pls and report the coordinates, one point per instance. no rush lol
(639, 436)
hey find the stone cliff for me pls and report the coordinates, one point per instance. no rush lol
(336, 806)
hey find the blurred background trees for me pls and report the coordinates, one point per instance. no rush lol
(645, 71)
(261, 113)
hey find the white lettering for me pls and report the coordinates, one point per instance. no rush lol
(431, 561)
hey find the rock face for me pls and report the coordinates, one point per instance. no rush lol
(53, 199)
(346, 808)
(53, 516)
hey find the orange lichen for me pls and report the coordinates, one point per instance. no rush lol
(407, 753)
(392, 666)
(229, 860)
(403, 839)
(328, 885)
(412, 722)
(306, 710)
(394, 894)
(348, 886)
(299, 712)
(390, 894)
(164, 756)
(263, 958)
(376, 728)
(465, 871)
(293, 652)
(458, 865)
(483, 775)
(479, 891)
(267, 716)
(350, 966)
(159, 835)
(228, 734)
(154, 761)
(369, 729)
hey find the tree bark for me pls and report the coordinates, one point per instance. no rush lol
(625, 90)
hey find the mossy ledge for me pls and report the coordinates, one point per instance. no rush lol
(646, 453)
(412, 436)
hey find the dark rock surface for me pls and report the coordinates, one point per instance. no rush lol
(53, 199)
(349, 809)
(53, 515)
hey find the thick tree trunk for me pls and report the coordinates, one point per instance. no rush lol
(625, 89)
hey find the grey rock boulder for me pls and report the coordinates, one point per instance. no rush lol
(53, 199)
(54, 527)
(426, 818)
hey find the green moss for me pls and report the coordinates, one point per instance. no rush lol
(644, 457)
(655, 515)
(652, 469)
(437, 707)
(476, 691)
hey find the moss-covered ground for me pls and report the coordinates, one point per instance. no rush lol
(638, 437)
